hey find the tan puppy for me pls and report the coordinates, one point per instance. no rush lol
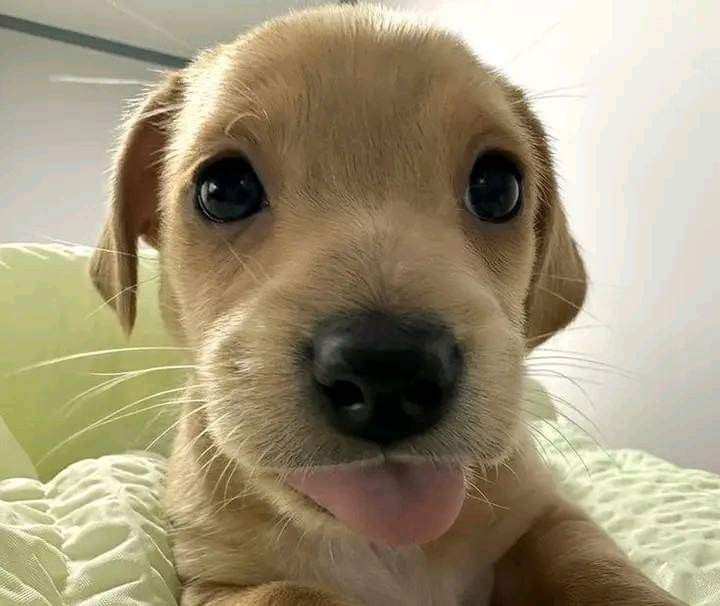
(360, 239)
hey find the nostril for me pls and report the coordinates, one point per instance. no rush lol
(421, 398)
(343, 393)
(348, 402)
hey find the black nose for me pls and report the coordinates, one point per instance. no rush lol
(385, 379)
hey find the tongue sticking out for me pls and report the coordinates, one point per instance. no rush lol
(394, 504)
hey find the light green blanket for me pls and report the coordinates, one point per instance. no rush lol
(49, 310)
(94, 535)
(82, 523)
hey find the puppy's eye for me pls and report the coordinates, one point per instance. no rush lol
(229, 190)
(494, 190)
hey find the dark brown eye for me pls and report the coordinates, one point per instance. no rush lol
(229, 190)
(494, 190)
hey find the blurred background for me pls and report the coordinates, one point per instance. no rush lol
(628, 90)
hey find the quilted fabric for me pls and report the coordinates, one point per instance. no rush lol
(667, 519)
(93, 536)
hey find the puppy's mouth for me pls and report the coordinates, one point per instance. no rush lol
(395, 503)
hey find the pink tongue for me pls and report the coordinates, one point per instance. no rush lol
(394, 503)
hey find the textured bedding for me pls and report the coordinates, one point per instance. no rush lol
(667, 519)
(96, 535)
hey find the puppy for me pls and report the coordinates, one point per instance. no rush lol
(360, 240)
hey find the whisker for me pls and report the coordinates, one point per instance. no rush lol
(594, 440)
(90, 354)
(242, 263)
(565, 439)
(550, 333)
(533, 43)
(558, 400)
(576, 380)
(549, 365)
(544, 348)
(484, 498)
(71, 79)
(143, 20)
(227, 484)
(205, 468)
(202, 456)
(192, 443)
(172, 427)
(220, 477)
(119, 294)
(543, 453)
(573, 305)
(236, 497)
(557, 89)
(573, 380)
(106, 421)
(288, 519)
(538, 355)
(535, 430)
(117, 380)
(547, 97)
(571, 279)
(507, 466)
(120, 253)
(141, 371)
(99, 388)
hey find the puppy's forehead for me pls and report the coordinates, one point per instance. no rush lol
(348, 88)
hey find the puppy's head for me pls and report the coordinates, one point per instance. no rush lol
(360, 238)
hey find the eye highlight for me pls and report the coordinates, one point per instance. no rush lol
(494, 190)
(228, 189)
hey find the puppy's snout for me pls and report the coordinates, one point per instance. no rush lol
(384, 380)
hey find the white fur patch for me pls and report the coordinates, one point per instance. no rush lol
(377, 576)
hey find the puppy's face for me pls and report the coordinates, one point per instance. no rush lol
(357, 226)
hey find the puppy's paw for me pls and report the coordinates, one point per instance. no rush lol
(290, 594)
(280, 593)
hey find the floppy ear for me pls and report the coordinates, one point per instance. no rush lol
(134, 212)
(559, 283)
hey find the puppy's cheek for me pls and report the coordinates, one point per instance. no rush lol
(489, 397)
(262, 409)
(253, 397)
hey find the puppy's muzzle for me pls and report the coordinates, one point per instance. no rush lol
(382, 378)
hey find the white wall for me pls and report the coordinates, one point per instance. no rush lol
(54, 137)
(637, 147)
(637, 150)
